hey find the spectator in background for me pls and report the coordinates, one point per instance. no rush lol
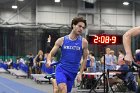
(121, 56)
(92, 61)
(137, 60)
(37, 61)
(31, 63)
(16, 64)
(114, 59)
(21, 60)
(137, 56)
(108, 60)
(10, 63)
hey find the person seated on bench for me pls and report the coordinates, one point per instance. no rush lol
(124, 76)
(37, 61)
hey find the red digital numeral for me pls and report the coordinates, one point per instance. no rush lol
(113, 39)
(95, 39)
(102, 39)
(107, 39)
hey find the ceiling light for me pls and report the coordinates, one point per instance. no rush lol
(14, 6)
(90, 1)
(57, 1)
(125, 3)
(21, 0)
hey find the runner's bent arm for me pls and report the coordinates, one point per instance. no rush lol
(127, 41)
(58, 43)
(85, 54)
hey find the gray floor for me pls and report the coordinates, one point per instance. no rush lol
(44, 87)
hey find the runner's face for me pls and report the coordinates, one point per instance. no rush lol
(79, 28)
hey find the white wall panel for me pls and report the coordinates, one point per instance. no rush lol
(137, 15)
(96, 19)
(138, 20)
(90, 19)
(8, 16)
(59, 13)
(62, 18)
(73, 10)
(121, 9)
(108, 19)
(61, 9)
(45, 17)
(58, 18)
(124, 20)
(45, 8)
(53, 9)
(71, 16)
(108, 7)
(113, 13)
(25, 17)
(15, 17)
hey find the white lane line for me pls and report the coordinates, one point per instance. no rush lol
(8, 87)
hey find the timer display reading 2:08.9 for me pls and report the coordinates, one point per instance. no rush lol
(105, 39)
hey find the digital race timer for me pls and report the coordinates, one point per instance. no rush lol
(105, 39)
